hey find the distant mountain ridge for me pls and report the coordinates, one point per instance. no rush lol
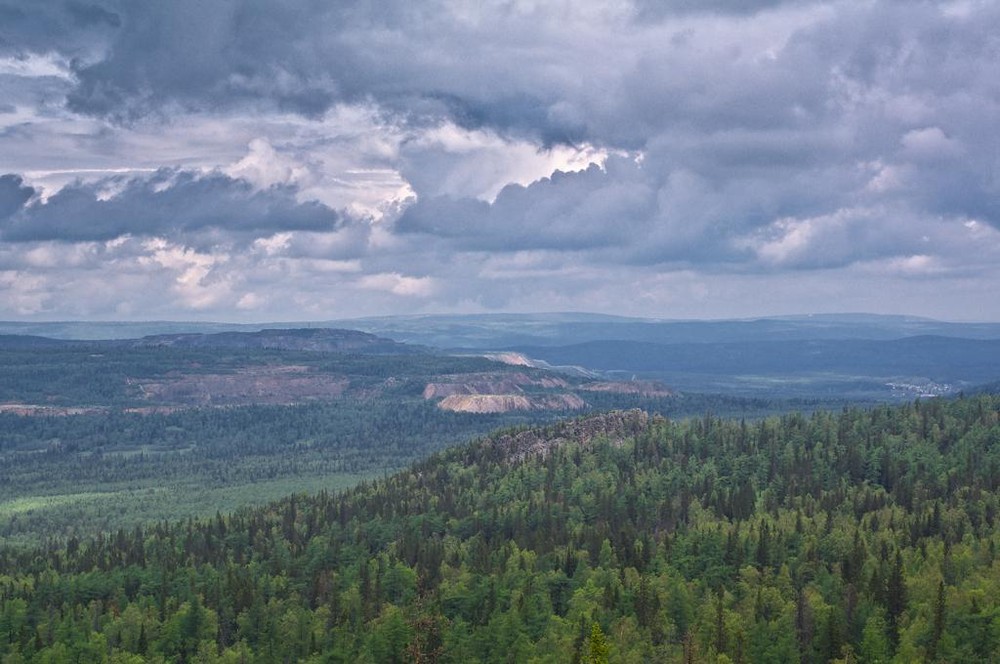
(298, 339)
(926, 365)
(855, 356)
(933, 354)
(274, 366)
(492, 331)
(307, 339)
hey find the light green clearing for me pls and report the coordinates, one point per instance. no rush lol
(33, 503)
(86, 513)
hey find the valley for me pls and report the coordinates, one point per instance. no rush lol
(103, 434)
(507, 332)
(323, 482)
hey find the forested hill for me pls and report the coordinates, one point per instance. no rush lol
(304, 339)
(859, 535)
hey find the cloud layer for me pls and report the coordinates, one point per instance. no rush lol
(317, 159)
(170, 204)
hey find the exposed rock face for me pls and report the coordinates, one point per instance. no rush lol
(502, 383)
(501, 393)
(503, 403)
(614, 426)
(485, 403)
(512, 358)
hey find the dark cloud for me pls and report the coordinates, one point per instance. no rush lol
(44, 26)
(91, 14)
(568, 211)
(654, 212)
(216, 55)
(758, 138)
(744, 98)
(13, 195)
(174, 204)
(660, 9)
(544, 73)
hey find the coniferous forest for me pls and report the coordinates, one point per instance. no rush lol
(499, 331)
(858, 535)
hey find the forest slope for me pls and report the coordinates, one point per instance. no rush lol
(860, 534)
(103, 435)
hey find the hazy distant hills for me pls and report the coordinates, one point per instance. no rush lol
(850, 368)
(280, 367)
(517, 330)
(938, 358)
(852, 356)
(492, 331)
(307, 339)
(98, 330)
(304, 339)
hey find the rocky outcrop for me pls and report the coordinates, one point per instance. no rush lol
(504, 403)
(501, 393)
(485, 403)
(615, 426)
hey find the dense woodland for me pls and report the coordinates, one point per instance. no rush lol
(110, 468)
(858, 535)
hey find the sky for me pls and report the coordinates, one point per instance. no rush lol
(244, 160)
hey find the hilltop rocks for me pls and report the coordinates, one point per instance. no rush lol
(615, 426)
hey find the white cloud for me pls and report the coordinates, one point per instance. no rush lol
(36, 65)
(197, 281)
(25, 294)
(929, 143)
(264, 167)
(452, 161)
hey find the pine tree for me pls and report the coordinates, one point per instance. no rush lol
(895, 598)
(598, 646)
(720, 622)
(937, 628)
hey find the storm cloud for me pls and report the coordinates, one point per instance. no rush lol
(168, 204)
(378, 157)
